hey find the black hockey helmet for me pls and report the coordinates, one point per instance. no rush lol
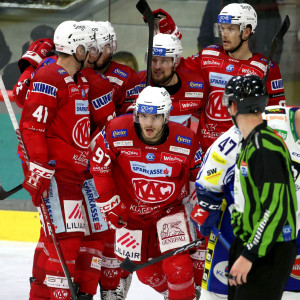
(248, 92)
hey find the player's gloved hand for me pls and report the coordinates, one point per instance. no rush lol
(206, 212)
(164, 23)
(114, 212)
(37, 180)
(37, 51)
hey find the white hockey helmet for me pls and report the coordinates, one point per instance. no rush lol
(167, 45)
(71, 34)
(153, 100)
(112, 33)
(242, 14)
(101, 34)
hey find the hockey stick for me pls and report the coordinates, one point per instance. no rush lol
(145, 10)
(5, 194)
(44, 210)
(220, 236)
(130, 266)
(276, 40)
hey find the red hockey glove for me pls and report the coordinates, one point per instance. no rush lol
(37, 51)
(37, 180)
(114, 212)
(165, 23)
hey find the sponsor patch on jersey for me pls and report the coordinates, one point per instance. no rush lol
(172, 232)
(210, 52)
(188, 104)
(123, 143)
(282, 133)
(259, 65)
(244, 169)
(43, 88)
(198, 155)
(120, 73)
(211, 62)
(183, 140)
(147, 109)
(193, 95)
(278, 110)
(90, 194)
(68, 79)
(151, 170)
(142, 85)
(213, 176)
(84, 79)
(275, 117)
(133, 91)
(244, 70)
(180, 150)
(61, 71)
(296, 268)
(82, 107)
(157, 51)
(56, 282)
(128, 243)
(218, 79)
(131, 152)
(218, 159)
(83, 93)
(96, 263)
(230, 68)
(119, 133)
(277, 84)
(167, 157)
(220, 271)
(73, 90)
(196, 85)
(150, 156)
(266, 61)
(115, 80)
(74, 217)
(224, 19)
(214, 46)
(102, 101)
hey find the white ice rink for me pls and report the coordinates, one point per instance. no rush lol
(15, 270)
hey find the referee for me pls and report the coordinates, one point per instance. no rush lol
(264, 214)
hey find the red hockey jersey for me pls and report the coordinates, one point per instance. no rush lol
(218, 67)
(55, 121)
(125, 86)
(102, 107)
(147, 178)
(190, 98)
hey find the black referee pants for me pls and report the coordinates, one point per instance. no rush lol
(268, 275)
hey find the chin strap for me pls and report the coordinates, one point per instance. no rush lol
(240, 44)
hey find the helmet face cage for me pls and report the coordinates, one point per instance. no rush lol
(71, 34)
(241, 14)
(153, 100)
(166, 45)
(248, 92)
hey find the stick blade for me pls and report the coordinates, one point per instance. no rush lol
(128, 265)
(5, 194)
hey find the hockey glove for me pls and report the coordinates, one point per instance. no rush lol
(206, 212)
(37, 51)
(114, 212)
(165, 23)
(37, 180)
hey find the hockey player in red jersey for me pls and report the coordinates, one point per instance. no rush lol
(236, 24)
(188, 90)
(142, 166)
(55, 126)
(123, 78)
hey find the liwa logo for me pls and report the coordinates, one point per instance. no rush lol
(128, 240)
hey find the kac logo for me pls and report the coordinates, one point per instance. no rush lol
(150, 156)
